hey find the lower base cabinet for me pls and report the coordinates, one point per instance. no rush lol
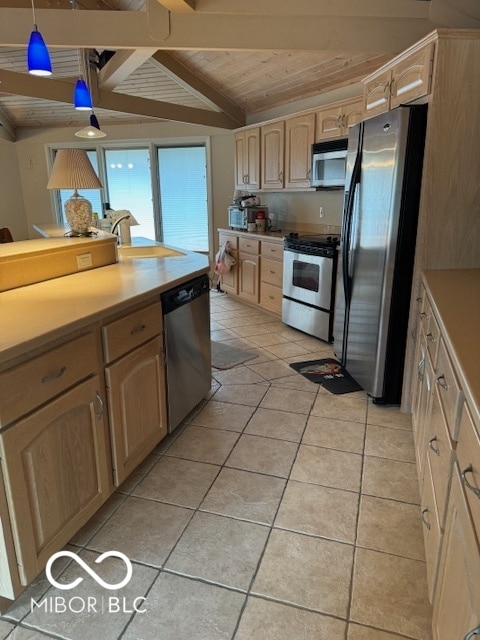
(56, 474)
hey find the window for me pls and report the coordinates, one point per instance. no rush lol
(183, 197)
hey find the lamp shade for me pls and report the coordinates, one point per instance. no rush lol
(92, 131)
(82, 100)
(38, 58)
(73, 170)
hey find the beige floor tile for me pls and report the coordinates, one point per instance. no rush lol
(248, 330)
(93, 624)
(287, 350)
(266, 339)
(139, 473)
(390, 593)
(335, 434)
(249, 395)
(130, 530)
(22, 633)
(384, 442)
(313, 344)
(217, 414)
(183, 609)
(177, 481)
(245, 495)
(295, 382)
(320, 511)
(288, 400)
(390, 526)
(219, 549)
(388, 416)
(267, 620)
(238, 375)
(204, 445)
(98, 519)
(262, 356)
(311, 572)
(221, 334)
(264, 455)
(277, 424)
(341, 407)
(390, 479)
(359, 632)
(239, 343)
(5, 628)
(328, 467)
(273, 369)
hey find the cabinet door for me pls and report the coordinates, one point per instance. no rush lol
(56, 474)
(137, 406)
(249, 277)
(352, 115)
(411, 78)
(299, 134)
(456, 608)
(229, 280)
(240, 153)
(377, 95)
(252, 159)
(273, 142)
(328, 123)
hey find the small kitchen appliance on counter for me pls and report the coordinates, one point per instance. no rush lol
(240, 217)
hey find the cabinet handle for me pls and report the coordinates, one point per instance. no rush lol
(246, 178)
(280, 176)
(473, 632)
(424, 315)
(54, 376)
(99, 413)
(422, 516)
(271, 271)
(430, 337)
(430, 444)
(441, 382)
(469, 469)
(419, 299)
(420, 368)
(392, 87)
(272, 297)
(138, 329)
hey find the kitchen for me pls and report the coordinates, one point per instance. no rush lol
(287, 198)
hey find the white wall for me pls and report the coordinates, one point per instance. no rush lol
(12, 210)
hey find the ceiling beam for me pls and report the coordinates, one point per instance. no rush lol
(7, 130)
(23, 84)
(164, 30)
(194, 85)
(179, 6)
(121, 65)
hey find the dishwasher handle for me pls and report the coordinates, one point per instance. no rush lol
(184, 294)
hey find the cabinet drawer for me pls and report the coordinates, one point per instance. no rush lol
(432, 337)
(272, 250)
(271, 297)
(449, 391)
(132, 330)
(468, 457)
(231, 238)
(432, 534)
(248, 246)
(33, 383)
(271, 271)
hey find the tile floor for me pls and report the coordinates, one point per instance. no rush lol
(278, 511)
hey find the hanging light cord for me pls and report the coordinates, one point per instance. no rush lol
(34, 17)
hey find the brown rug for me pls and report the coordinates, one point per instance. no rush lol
(225, 357)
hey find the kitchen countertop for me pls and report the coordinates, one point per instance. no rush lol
(34, 315)
(268, 235)
(455, 295)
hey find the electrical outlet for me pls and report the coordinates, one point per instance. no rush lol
(321, 212)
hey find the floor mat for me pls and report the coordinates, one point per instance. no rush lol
(329, 373)
(224, 356)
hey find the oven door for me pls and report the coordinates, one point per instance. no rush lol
(308, 278)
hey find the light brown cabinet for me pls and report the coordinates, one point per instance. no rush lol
(249, 264)
(135, 380)
(273, 155)
(299, 137)
(247, 159)
(229, 280)
(335, 121)
(407, 79)
(271, 276)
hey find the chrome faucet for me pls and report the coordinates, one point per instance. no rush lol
(116, 224)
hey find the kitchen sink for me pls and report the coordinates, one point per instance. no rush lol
(152, 251)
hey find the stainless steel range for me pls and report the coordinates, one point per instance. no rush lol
(309, 275)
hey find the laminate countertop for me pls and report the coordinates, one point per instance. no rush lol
(455, 295)
(34, 315)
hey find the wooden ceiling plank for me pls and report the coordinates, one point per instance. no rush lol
(179, 6)
(195, 85)
(121, 65)
(7, 130)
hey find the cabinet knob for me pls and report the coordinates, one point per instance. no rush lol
(430, 337)
(469, 469)
(442, 383)
(474, 632)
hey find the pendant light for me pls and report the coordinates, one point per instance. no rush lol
(92, 130)
(82, 99)
(38, 58)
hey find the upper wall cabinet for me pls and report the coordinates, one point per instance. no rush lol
(408, 79)
(335, 121)
(273, 158)
(247, 159)
(299, 137)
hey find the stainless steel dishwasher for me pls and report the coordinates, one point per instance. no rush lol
(186, 316)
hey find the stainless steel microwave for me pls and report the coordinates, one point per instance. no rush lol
(328, 164)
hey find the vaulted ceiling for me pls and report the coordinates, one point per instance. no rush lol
(212, 62)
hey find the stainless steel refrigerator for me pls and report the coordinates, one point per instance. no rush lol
(379, 228)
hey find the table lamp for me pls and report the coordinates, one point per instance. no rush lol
(73, 170)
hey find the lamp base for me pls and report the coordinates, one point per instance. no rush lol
(78, 213)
